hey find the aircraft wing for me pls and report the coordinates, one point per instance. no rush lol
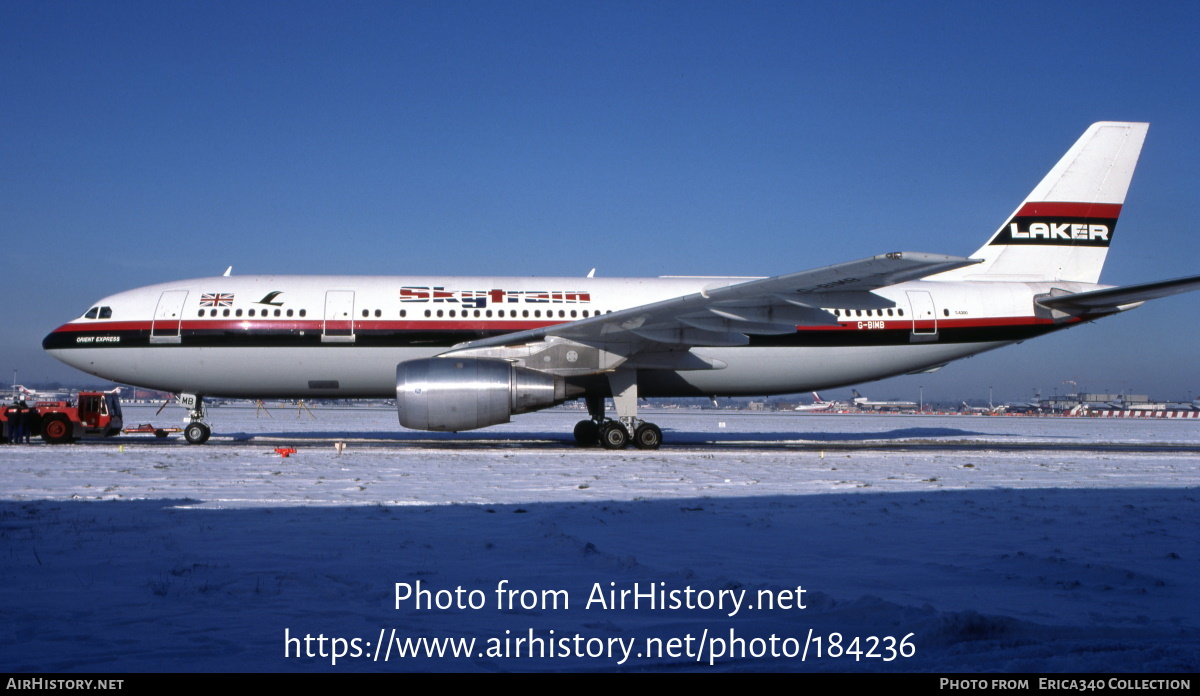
(1112, 298)
(727, 312)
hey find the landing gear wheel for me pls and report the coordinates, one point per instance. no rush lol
(613, 436)
(56, 430)
(197, 433)
(647, 436)
(587, 433)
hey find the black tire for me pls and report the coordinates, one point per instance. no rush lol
(587, 433)
(613, 436)
(648, 436)
(56, 430)
(197, 433)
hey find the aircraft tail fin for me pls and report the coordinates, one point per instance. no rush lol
(1062, 230)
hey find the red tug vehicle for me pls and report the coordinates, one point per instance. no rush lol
(95, 414)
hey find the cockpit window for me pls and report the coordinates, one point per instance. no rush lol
(91, 313)
(106, 312)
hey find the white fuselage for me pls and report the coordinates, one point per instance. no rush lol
(342, 336)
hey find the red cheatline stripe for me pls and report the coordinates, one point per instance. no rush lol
(846, 324)
(310, 325)
(852, 323)
(105, 326)
(1080, 210)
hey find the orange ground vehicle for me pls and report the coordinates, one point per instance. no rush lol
(94, 414)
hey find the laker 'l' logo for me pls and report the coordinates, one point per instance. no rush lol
(267, 299)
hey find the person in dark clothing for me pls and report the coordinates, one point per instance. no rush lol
(18, 421)
(33, 424)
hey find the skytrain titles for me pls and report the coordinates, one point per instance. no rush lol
(478, 299)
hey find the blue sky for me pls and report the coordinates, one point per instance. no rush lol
(145, 142)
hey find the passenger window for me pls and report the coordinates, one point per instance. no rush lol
(378, 313)
(403, 313)
(277, 312)
(289, 312)
(238, 313)
(225, 313)
(303, 312)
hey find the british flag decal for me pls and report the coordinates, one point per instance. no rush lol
(216, 299)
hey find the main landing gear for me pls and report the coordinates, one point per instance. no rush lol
(196, 432)
(617, 434)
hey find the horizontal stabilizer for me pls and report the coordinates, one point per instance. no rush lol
(1112, 298)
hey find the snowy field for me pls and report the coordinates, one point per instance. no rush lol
(771, 541)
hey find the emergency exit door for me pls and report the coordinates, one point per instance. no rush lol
(167, 317)
(339, 316)
(924, 315)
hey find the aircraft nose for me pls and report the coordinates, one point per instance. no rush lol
(56, 342)
(51, 341)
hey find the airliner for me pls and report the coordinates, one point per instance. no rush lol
(861, 401)
(460, 353)
(818, 404)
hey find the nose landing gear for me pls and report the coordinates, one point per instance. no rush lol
(196, 432)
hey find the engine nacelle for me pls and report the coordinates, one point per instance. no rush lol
(452, 394)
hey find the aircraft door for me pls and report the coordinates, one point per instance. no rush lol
(167, 316)
(924, 316)
(339, 316)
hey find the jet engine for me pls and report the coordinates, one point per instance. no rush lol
(452, 394)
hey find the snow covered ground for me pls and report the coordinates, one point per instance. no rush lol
(770, 541)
